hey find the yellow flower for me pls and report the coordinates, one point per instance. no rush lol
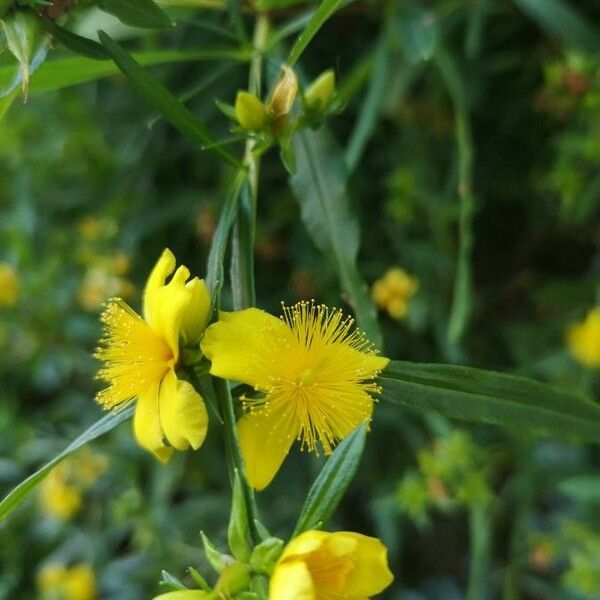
(584, 339)
(318, 565)
(139, 358)
(9, 285)
(58, 498)
(393, 290)
(61, 583)
(314, 371)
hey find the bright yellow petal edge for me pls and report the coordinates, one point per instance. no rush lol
(315, 374)
(318, 564)
(139, 357)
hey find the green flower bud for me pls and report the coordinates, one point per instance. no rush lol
(320, 92)
(266, 554)
(234, 578)
(250, 112)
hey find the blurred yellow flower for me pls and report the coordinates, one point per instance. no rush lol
(139, 357)
(315, 373)
(317, 565)
(584, 339)
(393, 291)
(61, 492)
(58, 498)
(9, 285)
(58, 582)
(98, 285)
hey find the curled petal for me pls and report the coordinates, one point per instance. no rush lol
(183, 415)
(164, 266)
(146, 424)
(196, 312)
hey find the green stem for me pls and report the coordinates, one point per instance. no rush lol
(462, 300)
(234, 454)
(524, 496)
(480, 531)
(242, 262)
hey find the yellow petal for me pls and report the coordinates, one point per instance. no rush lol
(168, 306)
(291, 581)
(146, 425)
(370, 574)
(164, 266)
(183, 416)
(196, 312)
(245, 346)
(265, 439)
(305, 543)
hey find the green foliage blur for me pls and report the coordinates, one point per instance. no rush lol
(443, 105)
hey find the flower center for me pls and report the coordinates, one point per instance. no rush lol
(307, 377)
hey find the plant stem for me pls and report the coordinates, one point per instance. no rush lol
(242, 261)
(480, 532)
(234, 454)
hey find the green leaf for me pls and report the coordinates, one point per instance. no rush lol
(419, 34)
(215, 272)
(238, 535)
(371, 107)
(325, 10)
(320, 186)
(137, 13)
(76, 43)
(162, 99)
(490, 397)
(65, 72)
(332, 482)
(560, 20)
(19, 494)
(216, 560)
(581, 488)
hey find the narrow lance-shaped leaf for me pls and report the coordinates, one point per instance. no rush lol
(320, 186)
(560, 19)
(162, 99)
(238, 534)
(325, 10)
(332, 482)
(65, 72)
(489, 397)
(19, 494)
(137, 13)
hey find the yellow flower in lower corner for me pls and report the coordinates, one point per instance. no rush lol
(584, 339)
(318, 565)
(139, 358)
(315, 373)
(58, 582)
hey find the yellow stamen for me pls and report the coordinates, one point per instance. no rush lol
(133, 355)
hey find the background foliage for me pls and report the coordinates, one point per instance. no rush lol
(467, 148)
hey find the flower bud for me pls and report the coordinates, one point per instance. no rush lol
(284, 93)
(250, 111)
(233, 579)
(320, 92)
(266, 554)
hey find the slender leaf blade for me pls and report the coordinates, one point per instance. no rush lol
(560, 20)
(137, 13)
(19, 494)
(65, 72)
(332, 482)
(320, 186)
(491, 397)
(162, 99)
(325, 10)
